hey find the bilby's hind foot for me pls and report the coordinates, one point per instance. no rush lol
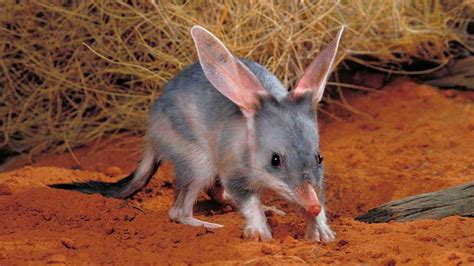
(258, 232)
(191, 178)
(185, 216)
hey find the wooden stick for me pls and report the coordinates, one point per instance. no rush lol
(458, 200)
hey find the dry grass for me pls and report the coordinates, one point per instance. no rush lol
(74, 72)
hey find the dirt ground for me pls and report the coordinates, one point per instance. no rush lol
(408, 139)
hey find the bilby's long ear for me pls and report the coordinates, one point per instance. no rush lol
(230, 76)
(316, 75)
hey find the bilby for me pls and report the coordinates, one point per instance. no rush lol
(230, 119)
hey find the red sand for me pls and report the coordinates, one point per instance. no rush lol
(413, 139)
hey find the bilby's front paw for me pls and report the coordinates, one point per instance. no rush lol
(261, 233)
(318, 229)
(324, 234)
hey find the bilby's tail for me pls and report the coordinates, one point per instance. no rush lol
(123, 188)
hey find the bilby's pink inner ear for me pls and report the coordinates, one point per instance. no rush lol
(316, 75)
(225, 72)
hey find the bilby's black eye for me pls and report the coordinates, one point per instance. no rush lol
(276, 160)
(319, 158)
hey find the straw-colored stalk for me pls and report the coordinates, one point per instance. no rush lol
(71, 73)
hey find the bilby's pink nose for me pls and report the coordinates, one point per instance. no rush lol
(309, 199)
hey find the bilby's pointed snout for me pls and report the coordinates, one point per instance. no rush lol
(309, 199)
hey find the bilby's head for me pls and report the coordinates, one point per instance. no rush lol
(282, 133)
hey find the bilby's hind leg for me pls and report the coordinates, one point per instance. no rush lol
(189, 182)
(218, 193)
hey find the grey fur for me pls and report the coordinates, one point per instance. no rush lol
(206, 135)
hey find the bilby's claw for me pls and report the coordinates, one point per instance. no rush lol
(318, 229)
(320, 235)
(273, 209)
(262, 234)
(196, 222)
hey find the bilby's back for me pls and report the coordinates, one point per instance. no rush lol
(230, 121)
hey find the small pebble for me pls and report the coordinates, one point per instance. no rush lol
(342, 243)
(113, 171)
(268, 249)
(68, 243)
(109, 230)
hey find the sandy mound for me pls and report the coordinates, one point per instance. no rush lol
(412, 139)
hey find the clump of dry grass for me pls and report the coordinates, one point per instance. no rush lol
(76, 71)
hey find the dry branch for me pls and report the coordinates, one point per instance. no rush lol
(458, 200)
(72, 71)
